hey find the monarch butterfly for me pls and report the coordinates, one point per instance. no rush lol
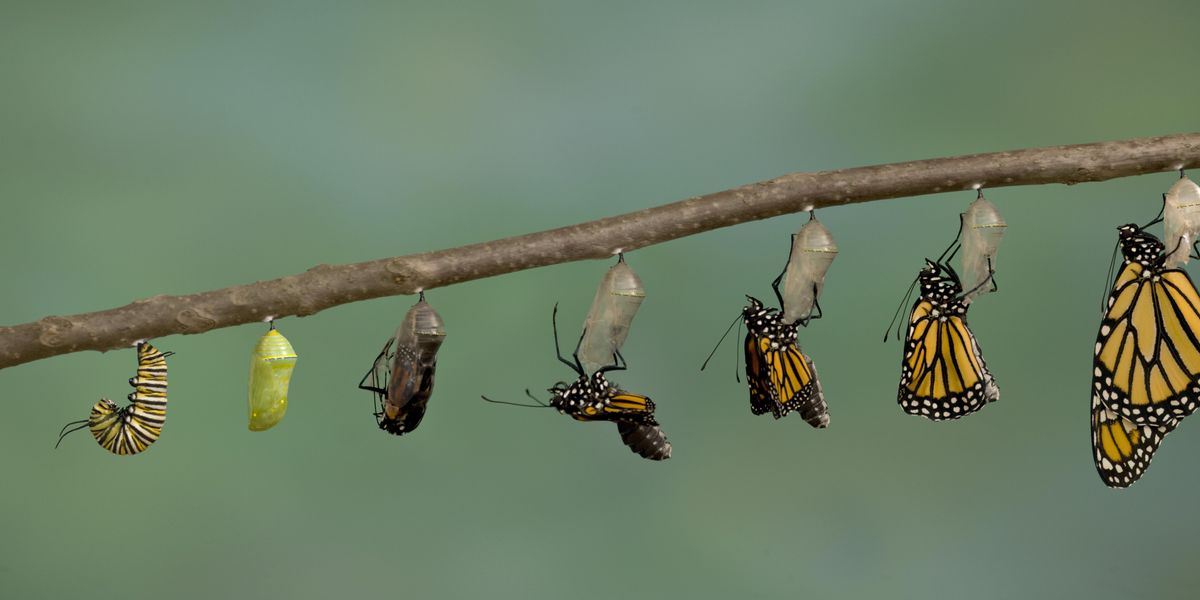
(131, 429)
(271, 365)
(781, 378)
(402, 375)
(616, 302)
(1121, 449)
(943, 374)
(595, 398)
(981, 230)
(1181, 219)
(1147, 359)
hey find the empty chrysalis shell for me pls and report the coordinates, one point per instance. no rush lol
(1181, 220)
(982, 230)
(607, 324)
(813, 251)
(271, 366)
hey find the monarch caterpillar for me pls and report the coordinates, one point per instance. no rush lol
(981, 230)
(271, 365)
(616, 302)
(1147, 359)
(813, 251)
(942, 374)
(130, 429)
(1181, 219)
(595, 398)
(402, 375)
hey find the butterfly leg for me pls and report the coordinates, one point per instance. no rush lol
(816, 312)
(775, 284)
(619, 363)
(576, 366)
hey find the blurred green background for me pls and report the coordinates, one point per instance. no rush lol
(147, 149)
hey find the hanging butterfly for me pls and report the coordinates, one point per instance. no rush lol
(781, 378)
(943, 374)
(1147, 358)
(402, 375)
(595, 398)
(131, 429)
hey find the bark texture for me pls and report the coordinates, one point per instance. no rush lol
(324, 286)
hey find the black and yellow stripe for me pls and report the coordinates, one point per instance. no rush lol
(132, 428)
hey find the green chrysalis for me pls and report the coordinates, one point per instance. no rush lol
(271, 366)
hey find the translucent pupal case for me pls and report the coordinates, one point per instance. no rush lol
(1181, 221)
(982, 229)
(271, 366)
(406, 369)
(813, 251)
(616, 302)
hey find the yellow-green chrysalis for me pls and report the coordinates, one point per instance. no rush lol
(271, 367)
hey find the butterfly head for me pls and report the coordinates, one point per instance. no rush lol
(939, 283)
(762, 321)
(580, 394)
(1140, 247)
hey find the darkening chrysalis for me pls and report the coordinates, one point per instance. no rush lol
(982, 229)
(813, 251)
(271, 366)
(613, 308)
(1181, 220)
(402, 375)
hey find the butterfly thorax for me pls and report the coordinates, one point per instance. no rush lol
(763, 322)
(584, 396)
(1140, 247)
(941, 288)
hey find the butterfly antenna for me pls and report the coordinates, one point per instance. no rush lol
(1112, 264)
(538, 405)
(714, 350)
(903, 302)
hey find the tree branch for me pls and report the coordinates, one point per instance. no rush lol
(325, 286)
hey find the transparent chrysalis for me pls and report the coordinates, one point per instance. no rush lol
(981, 232)
(271, 366)
(1181, 220)
(402, 374)
(813, 251)
(616, 302)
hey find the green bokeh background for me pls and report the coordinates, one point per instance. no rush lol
(154, 148)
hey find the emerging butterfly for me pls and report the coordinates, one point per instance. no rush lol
(781, 378)
(943, 374)
(1147, 364)
(402, 375)
(595, 398)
